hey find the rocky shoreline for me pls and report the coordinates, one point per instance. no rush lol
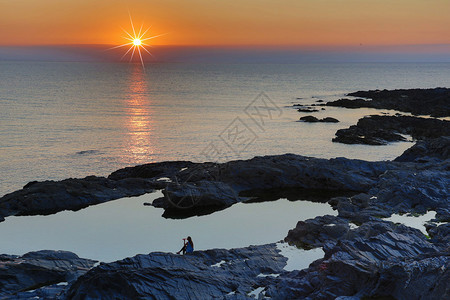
(366, 257)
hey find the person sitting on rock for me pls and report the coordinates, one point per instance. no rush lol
(188, 246)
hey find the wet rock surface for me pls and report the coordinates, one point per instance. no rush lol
(41, 274)
(380, 130)
(218, 273)
(434, 102)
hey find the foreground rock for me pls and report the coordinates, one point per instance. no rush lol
(380, 130)
(377, 259)
(41, 274)
(212, 274)
(434, 102)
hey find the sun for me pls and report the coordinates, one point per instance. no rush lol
(136, 43)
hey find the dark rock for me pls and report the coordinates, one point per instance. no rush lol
(40, 271)
(152, 170)
(312, 119)
(307, 109)
(200, 275)
(309, 119)
(427, 149)
(49, 197)
(87, 152)
(379, 130)
(220, 185)
(440, 234)
(434, 102)
(315, 232)
(416, 190)
(378, 259)
(203, 193)
(329, 120)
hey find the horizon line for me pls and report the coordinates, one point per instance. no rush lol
(237, 45)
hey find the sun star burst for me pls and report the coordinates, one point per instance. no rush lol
(136, 42)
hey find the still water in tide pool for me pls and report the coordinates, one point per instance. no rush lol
(125, 227)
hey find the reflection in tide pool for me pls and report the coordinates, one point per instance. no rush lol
(124, 227)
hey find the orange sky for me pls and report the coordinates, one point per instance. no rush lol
(220, 22)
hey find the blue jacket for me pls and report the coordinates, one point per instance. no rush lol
(189, 248)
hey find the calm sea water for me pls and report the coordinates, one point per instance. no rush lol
(60, 120)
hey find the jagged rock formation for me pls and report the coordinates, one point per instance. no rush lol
(434, 102)
(379, 130)
(378, 259)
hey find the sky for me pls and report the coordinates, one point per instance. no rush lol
(224, 22)
(356, 28)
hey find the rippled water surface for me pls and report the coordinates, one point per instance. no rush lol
(60, 120)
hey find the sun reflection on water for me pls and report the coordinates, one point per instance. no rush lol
(140, 144)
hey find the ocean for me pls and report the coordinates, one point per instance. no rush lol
(74, 119)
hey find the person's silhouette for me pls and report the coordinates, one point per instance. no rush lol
(188, 246)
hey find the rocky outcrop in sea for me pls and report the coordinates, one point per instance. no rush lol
(380, 130)
(434, 102)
